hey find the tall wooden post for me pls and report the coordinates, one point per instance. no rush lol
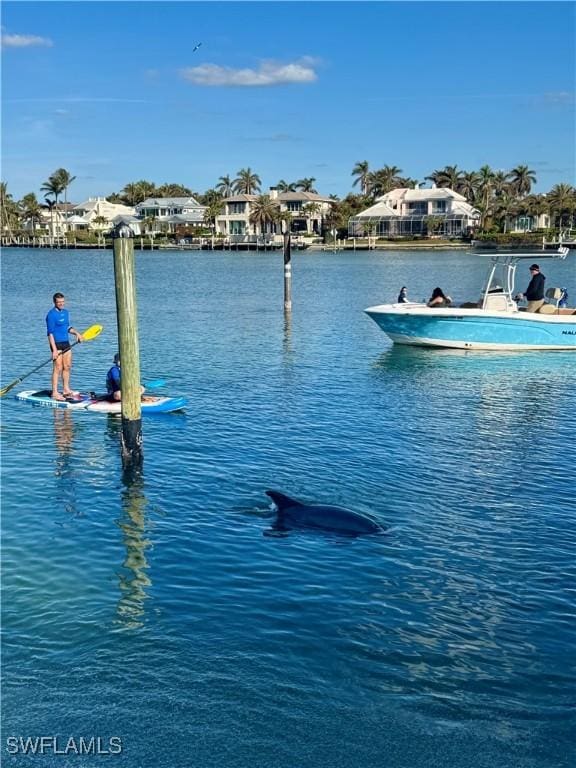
(127, 318)
(287, 272)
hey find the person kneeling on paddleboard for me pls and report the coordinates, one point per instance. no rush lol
(113, 378)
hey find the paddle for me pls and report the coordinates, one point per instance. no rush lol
(88, 335)
(154, 384)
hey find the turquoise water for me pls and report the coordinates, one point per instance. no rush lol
(158, 612)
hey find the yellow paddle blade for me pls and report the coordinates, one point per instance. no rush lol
(92, 332)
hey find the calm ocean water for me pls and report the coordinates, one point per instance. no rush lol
(159, 613)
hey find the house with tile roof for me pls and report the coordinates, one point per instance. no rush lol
(405, 212)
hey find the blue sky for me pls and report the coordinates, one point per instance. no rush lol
(115, 92)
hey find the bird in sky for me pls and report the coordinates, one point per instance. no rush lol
(196, 47)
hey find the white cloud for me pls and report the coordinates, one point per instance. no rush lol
(559, 97)
(24, 41)
(268, 73)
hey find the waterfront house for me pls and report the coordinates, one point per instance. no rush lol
(51, 220)
(176, 213)
(307, 211)
(528, 222)
(405, 212)
(98, 214)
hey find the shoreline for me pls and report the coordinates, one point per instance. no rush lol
(316, 247)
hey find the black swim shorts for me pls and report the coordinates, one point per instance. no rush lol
(62, 346)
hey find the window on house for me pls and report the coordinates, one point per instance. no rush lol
(237, 227)
(294, 205)
(420, 209)
(236, 207)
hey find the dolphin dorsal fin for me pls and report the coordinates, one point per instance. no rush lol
(282, 501)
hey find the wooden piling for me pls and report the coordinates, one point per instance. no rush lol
(287, 271)
(127, 319)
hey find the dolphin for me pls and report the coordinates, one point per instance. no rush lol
(296, 514)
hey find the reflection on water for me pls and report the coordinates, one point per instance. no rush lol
(133, 580)
(64, 433)
(553, 366)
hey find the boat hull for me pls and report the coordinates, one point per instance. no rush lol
(475, 329)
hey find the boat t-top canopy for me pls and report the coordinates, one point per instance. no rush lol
(498, 291)
(509, 257)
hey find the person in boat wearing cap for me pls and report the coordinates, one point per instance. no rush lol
(113, 378)
(534, 294)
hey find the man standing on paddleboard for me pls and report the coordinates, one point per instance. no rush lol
(58, 329)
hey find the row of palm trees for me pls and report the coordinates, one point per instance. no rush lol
(246, 182)
(496, 194)
(472, 184)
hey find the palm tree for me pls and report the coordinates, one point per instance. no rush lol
(405, 182)
(284, 219)
(492, 185)
(214, 209)
(129, 195)
(562, 202)
(54, 186)
(8, 211)
(225, 186)
(433, 224)
(306, 184)
(286, 186)
(144, 190)
(246, 182)
(469, 185)
(65, 180)
(137, 191)
(521, 180)
(51, 204)
(500, 182)
(383, 180)
(264, 210)
(173, 190)
(31, 210)
(99, 222)
(362, 171)
(148, 226)
(503, 209)
(337, 216)
(449, 177)
(210, 196)
(310, 210)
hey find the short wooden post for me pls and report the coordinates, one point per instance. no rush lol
(127, 319)
(287, 271)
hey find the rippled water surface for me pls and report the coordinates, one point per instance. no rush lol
(158, 612)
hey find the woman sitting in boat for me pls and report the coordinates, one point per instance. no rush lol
(439, 299)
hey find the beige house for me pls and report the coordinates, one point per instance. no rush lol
(53, 220)
(306, 209)
(98, 208)
(439, 211)
(528, 222)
